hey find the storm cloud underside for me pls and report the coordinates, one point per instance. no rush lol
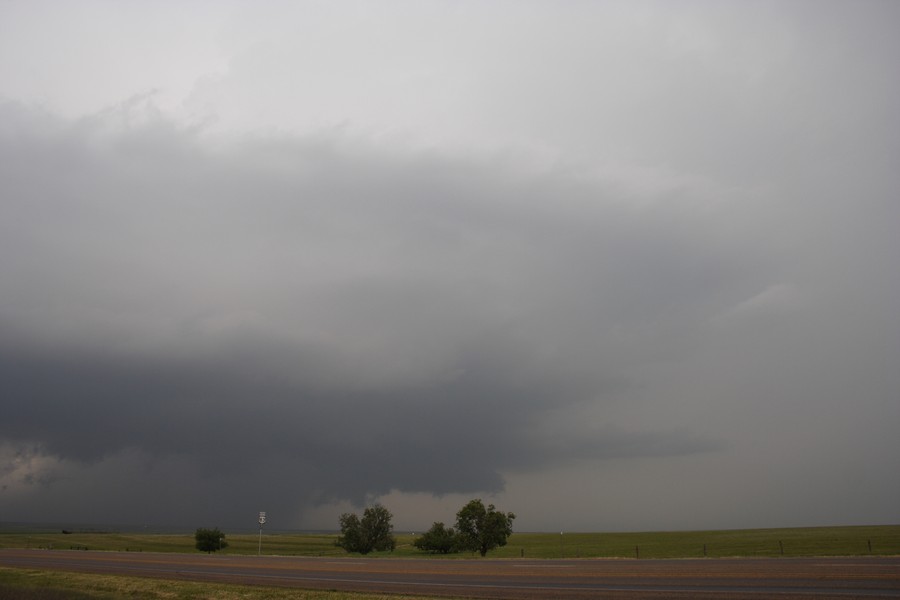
(198, 323)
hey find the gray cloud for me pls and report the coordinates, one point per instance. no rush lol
(656, 266)
(372, 324)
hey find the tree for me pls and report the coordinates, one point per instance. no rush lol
(481, 529)
(210, 540)
(438, 540)
(372, 532)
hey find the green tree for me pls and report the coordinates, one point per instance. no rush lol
(209, 540)
(480, 529)
(437, 540)
(372, 532)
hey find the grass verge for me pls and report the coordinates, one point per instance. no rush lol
(29, 584)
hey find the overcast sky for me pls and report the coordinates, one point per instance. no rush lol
(608, 265)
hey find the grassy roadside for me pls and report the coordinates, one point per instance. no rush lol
(29, 584)
(816, 541)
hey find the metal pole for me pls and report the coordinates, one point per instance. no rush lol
(262, 521)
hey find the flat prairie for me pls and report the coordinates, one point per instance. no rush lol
(881, 540)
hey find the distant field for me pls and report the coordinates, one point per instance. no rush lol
(817, 541)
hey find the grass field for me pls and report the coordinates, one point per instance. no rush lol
(815, 541)
(818, 541)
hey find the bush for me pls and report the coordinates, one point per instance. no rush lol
(372, 532)
(210, 540)
(438, 540)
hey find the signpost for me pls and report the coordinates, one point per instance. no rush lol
(262, 521)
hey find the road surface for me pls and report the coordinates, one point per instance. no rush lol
(732, 579)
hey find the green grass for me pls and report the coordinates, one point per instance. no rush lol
(30, 584)
(815, 541)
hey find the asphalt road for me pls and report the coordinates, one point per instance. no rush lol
(732, 579)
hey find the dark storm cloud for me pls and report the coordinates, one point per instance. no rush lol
(311, 313)
(636, 261)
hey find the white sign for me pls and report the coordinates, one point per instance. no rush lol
(262, 518)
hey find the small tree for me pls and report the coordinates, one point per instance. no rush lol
(438, 540)
(209, 540)
(481, 529)
(372, 532)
